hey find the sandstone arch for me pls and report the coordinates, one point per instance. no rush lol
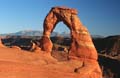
(81, 47)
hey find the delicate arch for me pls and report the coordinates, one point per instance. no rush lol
(81, 45)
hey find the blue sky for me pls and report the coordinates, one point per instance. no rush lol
(101, 17)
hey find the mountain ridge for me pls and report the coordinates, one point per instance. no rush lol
(40, 33)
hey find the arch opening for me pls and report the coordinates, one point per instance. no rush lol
(61, 38)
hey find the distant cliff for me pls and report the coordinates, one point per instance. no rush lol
(109, 45)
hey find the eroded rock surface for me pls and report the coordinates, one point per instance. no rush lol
(81, 48)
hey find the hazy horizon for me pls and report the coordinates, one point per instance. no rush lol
(101, 17)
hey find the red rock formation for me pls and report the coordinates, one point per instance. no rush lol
(46, 44)
(35, 48)
(81, 48)
(16, 47)
(1, 44)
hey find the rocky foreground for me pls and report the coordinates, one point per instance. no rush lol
(15, 63)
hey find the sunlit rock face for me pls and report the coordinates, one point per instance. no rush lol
(81, 47)
(1, 44)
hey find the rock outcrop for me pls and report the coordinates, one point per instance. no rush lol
(16, 47)
(35, 48)
(81, 47)
(1, 44)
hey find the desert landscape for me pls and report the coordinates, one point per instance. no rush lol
(59, 39)
(109, 62)
(81, 59)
